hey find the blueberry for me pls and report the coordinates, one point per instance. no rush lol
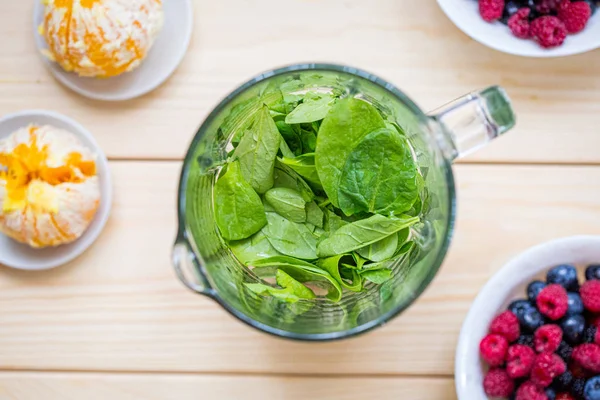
(592, 389)
(592, 272)
(575, 304)
(578, 388)
(564, 275)
(527, 340)
(532, 319)
(550, 394)
(534, 289)
(573, 327)
(518, 307)
(589, 334)
(562, 383)
(564, 351)
(510, 8)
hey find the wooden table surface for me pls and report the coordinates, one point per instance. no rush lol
(117, 324)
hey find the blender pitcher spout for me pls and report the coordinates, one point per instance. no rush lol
(188, 270)
(470, 122)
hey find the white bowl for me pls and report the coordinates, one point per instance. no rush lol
(505, 286)
(465, 15)
(162, 60)
(20, 256)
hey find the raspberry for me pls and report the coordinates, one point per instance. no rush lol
(493, 349)
(519, 361)
(546, 6)
(577, 370)
(519, 23)
(564, 396)
(594, 320)
(547, 367)
(507, 325)
(588, 356)
(547, 338)
(552, 300)
(548, 31)
(530, 391)
(574, 15)
(491, 10)
(497, 383)
(590, 295)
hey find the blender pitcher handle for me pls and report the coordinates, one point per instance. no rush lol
(470, 122)
(188, 269)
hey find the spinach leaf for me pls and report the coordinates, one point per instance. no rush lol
(380, 176)
(348, 122)
(292, 290)
(352, 281)
(290, 238)
(314, 214)
(286, 177)
(381, 250)
(243, 114)
(291, 137)
(405, 248)
(288, 203)
(362, 233)
(377, 276)
(314, 107)
(304, 165)
(300, 270)
(287, 282)
(285, 149)
(239, 213)
(309, 140)
(253, 248)
(333, 222)
(257, 151)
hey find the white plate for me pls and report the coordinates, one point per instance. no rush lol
(507, 285)
(164, 57)
(465, 15)
(20, 256)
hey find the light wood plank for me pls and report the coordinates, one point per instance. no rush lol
(419, 50)
(121, 308)
(57, 386)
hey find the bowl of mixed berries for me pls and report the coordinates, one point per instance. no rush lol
(532, 28)
(533, 332)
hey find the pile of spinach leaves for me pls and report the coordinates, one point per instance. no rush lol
(320, 192)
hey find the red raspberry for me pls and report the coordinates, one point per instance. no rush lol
(548, 31)
(519, 23)
(574, 15)
(519, 361)
(588, 356)
(507, 325)
(547, 338)
(545, 368)
(564, 396)
(552, 300)
(594, 320)
(590, 295)
(546, 6)
(530, 391)
(493, 349)
(497, 383)
(491, 10)
(578, 371)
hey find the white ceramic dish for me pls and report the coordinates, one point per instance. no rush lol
(505, 286)
(20, 256)
(164, 57)
(465, 15)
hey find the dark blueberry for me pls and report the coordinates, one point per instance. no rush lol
(527, 340)
(534, 289)
(589, 334)
(592, 272)
(550, 394)
(564, 351)
(510, 8)
(578, 388)
(593, 6)
(562, 383)
(575, 304)
(573, 327)
(518, 307)
(532, 319)
(564, 275)
(592, 389)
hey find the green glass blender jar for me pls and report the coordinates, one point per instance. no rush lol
(207, 266)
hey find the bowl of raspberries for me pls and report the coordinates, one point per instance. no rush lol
(532, 28)
(533, 332)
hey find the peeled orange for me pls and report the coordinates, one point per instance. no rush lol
(100, 38)
(49, 188)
